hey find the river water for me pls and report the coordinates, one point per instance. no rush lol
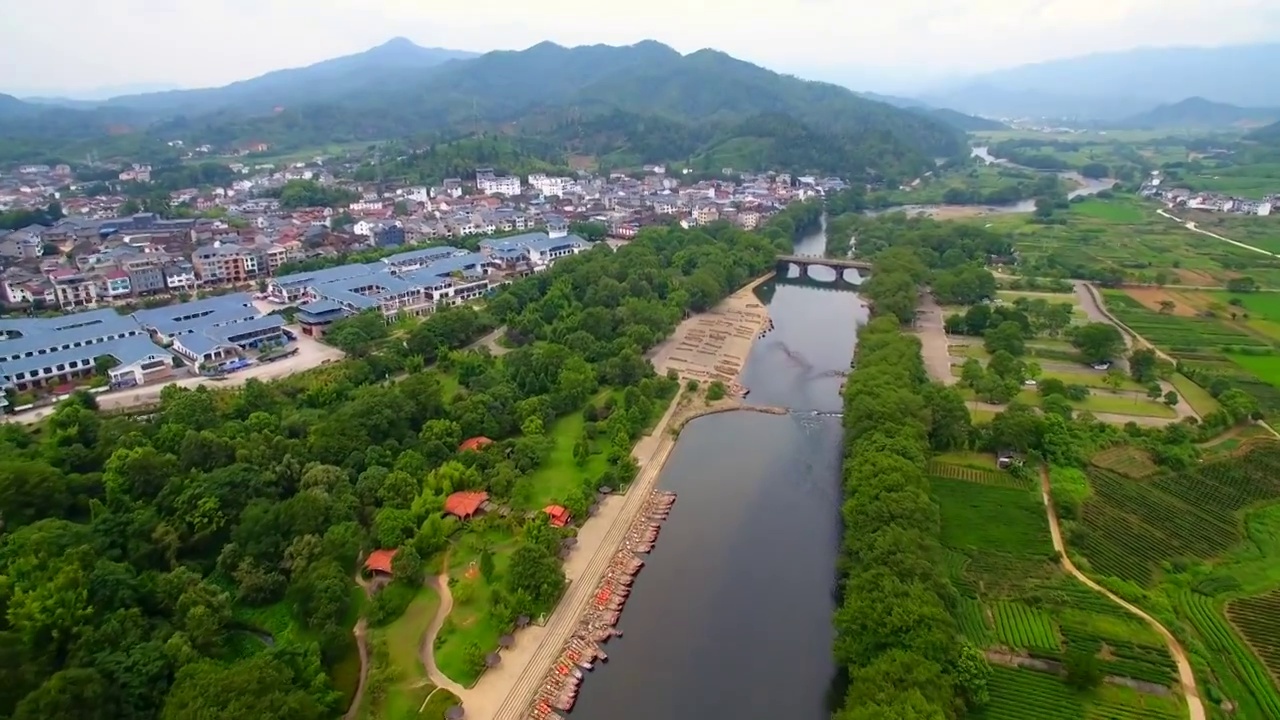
(1085, 186)
(731, 617)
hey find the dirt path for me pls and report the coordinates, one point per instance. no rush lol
(1186, 676)
(362, 646)
(1192, 227)
(441, 582)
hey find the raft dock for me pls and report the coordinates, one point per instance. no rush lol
(560, 686)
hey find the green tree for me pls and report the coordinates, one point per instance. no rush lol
(1097, 342)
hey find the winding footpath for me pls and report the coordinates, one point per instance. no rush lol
(361, 632)
(1186, 676)
(428, 652)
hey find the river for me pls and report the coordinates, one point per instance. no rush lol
(731, 617)
(1084, 187)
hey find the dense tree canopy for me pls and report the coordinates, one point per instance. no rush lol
(137, 552)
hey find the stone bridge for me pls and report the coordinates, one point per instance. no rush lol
(804, 262)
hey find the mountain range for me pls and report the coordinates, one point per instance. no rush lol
(700, 102)
(1199, 113)
(1116, 85)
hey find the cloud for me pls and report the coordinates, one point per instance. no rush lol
(92, 43)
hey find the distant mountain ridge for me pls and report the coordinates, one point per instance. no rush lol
(1197, 112)
(698, 101)
(398, 58)
(1116, 85)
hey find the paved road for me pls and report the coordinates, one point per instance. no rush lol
(1186, 676)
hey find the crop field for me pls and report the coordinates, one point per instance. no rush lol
(1258, 620)
(1023, 627)
(1260, 232)
(1254, 181)
(1148, 661)
(1018, 694)
(1267, 394)
(1242, 676)
(1179, 334)
(968, 473)
(1264, 367)
(1104, 210)
(1136, 526)
(971, 616)
(1131, 462)
(967, 510)
(1144, 249)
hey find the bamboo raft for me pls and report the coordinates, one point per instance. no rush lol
(598, 624)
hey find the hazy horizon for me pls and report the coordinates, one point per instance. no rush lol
(897, 47)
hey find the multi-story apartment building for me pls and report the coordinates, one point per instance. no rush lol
(74, 288)
(501, 185)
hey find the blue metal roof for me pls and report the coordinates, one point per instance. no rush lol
(424, 255)
(37, 334)
(212, 338)
(197, 315)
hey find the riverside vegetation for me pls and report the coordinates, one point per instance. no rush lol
(947, 566)
(198, 561)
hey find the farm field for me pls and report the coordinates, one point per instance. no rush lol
(1016, 600)
(1018, 694)
(1126, 460)
(1263, 367)
(1180, 334)
(1126, 236)
(1106, 210)
(1204, 542)
(1254, 181)
(1260, 232)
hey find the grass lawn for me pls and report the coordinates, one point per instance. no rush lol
(1097, 402)
(968, 509)
(1124, 405)
(1090, 379)
(1107, 210)
(1197, 397)
(470, 622)
(560, 473)
(449, 384)
(968, 458)
(404, 635)
(1052, 298)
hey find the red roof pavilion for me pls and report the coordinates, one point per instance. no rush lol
(465, 504)
(380, 561)
(559, 516)
(476, 443)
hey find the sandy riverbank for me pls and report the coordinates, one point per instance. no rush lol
(714, 345)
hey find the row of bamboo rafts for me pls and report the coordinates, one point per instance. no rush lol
(559, 690)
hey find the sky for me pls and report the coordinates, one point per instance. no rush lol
(880, 45)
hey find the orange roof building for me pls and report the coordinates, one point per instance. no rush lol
(559, 516)
(476, 443)
(464, 504)
(379, 561)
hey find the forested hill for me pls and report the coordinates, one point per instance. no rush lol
(1198, 112)
(1269, 134)
(705, 96)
